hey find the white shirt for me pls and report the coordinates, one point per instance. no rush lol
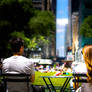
(18, 64)
(80, 68)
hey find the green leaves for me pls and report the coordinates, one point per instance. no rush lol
(86, 27)
(42, 23)
(37, 42)
(33, 43)
(19, 18)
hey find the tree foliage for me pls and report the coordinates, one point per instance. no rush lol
(86, 27)
(19, 18)
(43, 23)
(33, 43)
(14, 16)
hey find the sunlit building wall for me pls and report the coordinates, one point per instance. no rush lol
(75, 28)
(69, 24)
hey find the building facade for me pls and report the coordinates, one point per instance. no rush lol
(79, 10)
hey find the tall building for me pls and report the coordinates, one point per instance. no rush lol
(79, 10)
(73, 9)
(47, 5)
(38, 4)
(75, 28)
(69, 24)
(67, 47)
(66, 42)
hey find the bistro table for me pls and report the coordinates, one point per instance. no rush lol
(68, 78)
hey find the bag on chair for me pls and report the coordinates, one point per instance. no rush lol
(38, 88)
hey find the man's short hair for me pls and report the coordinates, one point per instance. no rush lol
(16, 44)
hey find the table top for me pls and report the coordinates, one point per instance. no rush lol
(56, 76)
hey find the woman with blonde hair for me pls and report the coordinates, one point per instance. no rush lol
(87, 55)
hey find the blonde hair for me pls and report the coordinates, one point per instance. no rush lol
(87, 54)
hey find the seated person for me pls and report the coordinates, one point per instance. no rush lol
(87, 54)
(18, 64)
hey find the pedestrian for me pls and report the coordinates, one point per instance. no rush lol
(18, 63)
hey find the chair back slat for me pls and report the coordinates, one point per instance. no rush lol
(16, 78)
(80, 77)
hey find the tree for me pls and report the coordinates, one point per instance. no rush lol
(34, 43)
(86, 31)
(14, 16)
(19, 18)
(43, 23)
(86, 27)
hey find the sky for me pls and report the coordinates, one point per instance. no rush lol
(61, 21)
